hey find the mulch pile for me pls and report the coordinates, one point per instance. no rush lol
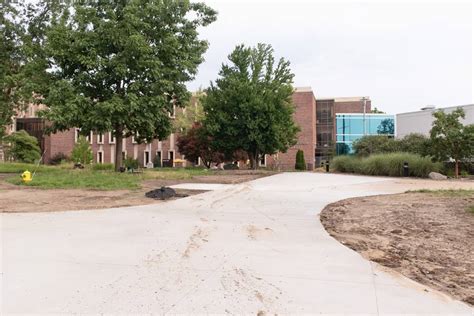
(162, 193)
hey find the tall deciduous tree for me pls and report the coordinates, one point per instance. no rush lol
(249, 107)
(121, 66)
(450, 138)
(22, 64)
(10, 61)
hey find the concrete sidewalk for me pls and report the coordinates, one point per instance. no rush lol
(249, 248)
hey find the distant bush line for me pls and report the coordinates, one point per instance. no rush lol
(390, 164)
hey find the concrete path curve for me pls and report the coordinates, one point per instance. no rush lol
(253, 247)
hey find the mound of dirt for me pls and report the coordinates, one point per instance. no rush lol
(424, 236)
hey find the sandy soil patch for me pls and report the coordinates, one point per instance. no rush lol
(424, 236)
(255, 233)
(15, 199)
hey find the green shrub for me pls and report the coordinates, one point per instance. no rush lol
(82, 153)
(23, 147)
(103, 166)
(386, 165)
(378, 144)
(349, 164)
(374, 144)
(300, 163)
(415, 143)
(130, 163)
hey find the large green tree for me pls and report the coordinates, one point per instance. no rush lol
(23, 65)
(10, 61)
(121, 66)
(450, 139)
(249, 107)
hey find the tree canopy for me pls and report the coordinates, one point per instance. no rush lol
(374, 144)
(121, 66)
(450, 139)
(249, 107)
(377, 111)
(377, 144)
(193, 113)
(22, 57)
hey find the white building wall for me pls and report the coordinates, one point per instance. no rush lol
(421, 121)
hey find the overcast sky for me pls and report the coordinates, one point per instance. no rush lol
(403, 55)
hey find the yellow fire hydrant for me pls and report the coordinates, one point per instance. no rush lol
(26, 176)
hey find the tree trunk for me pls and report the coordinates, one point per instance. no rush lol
(456, 168)
(118, 150)
(253, 157)
(206, 163)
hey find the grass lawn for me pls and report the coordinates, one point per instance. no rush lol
(14, 167)
(450, 193)
(471, 209)
(446, 193)
(64, 177)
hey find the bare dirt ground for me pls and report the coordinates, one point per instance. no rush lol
(15, 199)
(424, 236)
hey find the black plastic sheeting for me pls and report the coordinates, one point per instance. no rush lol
(162, 193)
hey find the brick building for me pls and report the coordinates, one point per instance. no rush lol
(102, 145)
(317, 137)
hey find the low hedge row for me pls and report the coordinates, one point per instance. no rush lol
(386, 165)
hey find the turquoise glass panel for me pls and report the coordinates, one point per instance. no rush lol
(350, 127)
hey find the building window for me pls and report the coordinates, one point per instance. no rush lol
(111, 138)
(77, 133)
(263, 161)
(124, 155)
(146, 158)
(324, 130)
(350, 127)
(171, 157)
(100, 138)
(100, 157)
(158, 159)
(89, 138)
